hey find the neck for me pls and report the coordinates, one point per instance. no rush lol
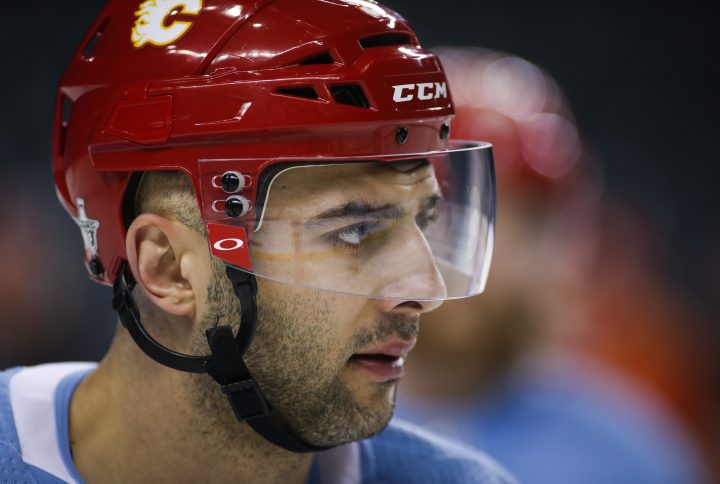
(131, 424)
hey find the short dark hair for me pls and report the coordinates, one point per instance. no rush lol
(170, 194)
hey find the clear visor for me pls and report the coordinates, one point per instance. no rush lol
(410, 227)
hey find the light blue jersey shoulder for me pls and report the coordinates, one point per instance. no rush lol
(404, 453)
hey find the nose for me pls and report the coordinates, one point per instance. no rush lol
(407, 307)
(414, 285)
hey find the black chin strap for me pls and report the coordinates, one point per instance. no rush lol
(225, 364)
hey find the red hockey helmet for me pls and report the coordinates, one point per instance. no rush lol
(238, 95)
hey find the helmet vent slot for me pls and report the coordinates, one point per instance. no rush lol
(350, 94)
(303, 92)
(93, 41)
(322, 58)
(382, 40)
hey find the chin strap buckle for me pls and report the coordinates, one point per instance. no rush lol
(229, 369)
(246, 399)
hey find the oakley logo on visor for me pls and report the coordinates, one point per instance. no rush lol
(152, 17)
(229, 243)
(423, 91)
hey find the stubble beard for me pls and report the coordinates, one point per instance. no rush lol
(295, 359)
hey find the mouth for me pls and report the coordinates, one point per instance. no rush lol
(384, 362)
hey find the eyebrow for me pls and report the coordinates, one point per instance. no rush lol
(355, 210)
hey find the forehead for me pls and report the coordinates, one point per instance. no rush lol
(312, 188)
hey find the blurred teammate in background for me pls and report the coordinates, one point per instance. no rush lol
(497, 371)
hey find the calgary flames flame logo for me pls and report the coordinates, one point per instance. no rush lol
(150, 24)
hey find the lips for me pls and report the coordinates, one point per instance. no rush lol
(383, 362)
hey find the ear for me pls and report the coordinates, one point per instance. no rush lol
(166, 259)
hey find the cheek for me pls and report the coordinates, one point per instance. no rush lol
(319, 320)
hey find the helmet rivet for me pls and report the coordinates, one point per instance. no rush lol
(230, 182)
(95, 266)
(237, 206)
(401, 135)
(444, 131)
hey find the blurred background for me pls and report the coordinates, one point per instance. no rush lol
(593, 356)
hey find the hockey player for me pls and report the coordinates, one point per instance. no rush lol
(270, 189)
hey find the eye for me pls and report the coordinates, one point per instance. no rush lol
(353, 235)
(426, 218)
(428, 212)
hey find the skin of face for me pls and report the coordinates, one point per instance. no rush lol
(305, 336)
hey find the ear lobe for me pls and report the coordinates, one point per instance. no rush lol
(155, 260)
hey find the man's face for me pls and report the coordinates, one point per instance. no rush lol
(329, 362)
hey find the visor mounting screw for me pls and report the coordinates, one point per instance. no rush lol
(444, 131)
(95, 266)
(230, 182)
(237, 206)
(401, 135)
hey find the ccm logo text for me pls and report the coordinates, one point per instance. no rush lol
(423, 91)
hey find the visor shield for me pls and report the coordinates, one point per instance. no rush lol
(410, 227)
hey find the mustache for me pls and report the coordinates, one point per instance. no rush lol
(388, 326)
